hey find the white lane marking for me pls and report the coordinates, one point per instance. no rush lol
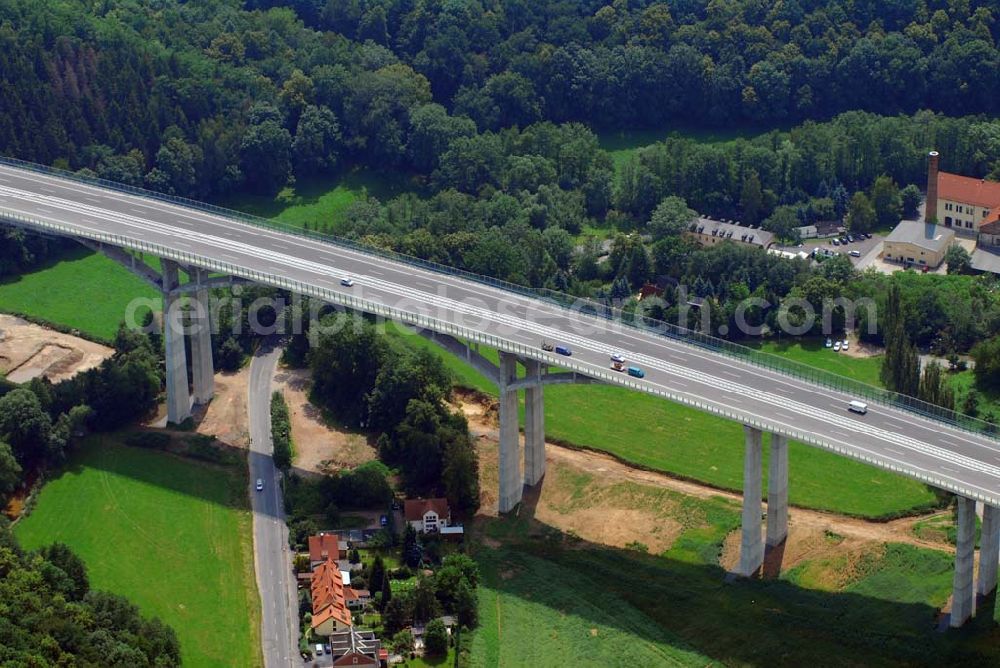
(801, 389)
(731, 374)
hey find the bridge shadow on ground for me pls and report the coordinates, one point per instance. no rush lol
(692, 606)
(165, 465)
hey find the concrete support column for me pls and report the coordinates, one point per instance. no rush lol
(752, 546)
(178, 399)
(989, 551)
(534, 426)
(963, 596)
(511, 484)
(202, 367)
(777, 492)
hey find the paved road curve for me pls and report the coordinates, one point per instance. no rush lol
(272, 559)
(890, 438)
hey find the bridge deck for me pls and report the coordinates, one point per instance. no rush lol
(887, 437)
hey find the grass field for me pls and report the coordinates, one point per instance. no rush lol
(656, 434)
(547, 598)
(83, 290)
(317, 205)
(623, 144)
(813, 353)
(172, 535)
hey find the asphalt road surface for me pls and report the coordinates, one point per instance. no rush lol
(890, 438)
(272, 559)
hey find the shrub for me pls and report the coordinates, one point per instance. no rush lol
(156, 440)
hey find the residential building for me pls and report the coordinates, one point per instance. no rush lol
(329, 606)
(915, 243)
(356, 598)
(986, 256)
(961, 203)
(427, 515)
(326, 546)
(357, 648)
(709, 232)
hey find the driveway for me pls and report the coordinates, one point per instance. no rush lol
(272, 558)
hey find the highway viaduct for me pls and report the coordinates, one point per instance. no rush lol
(211, 245)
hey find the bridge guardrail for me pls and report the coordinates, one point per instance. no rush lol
(446, 327)
(767, 361)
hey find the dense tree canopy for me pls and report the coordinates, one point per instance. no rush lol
(51, 617)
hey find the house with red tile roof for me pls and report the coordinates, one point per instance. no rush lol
(326, 546)
(356, 598)
(329, 605)
(962, 203)
(427, 515)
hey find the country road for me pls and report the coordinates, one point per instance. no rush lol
(272, 559)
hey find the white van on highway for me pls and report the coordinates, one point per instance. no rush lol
(858, 407)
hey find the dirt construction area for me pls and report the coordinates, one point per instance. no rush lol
(30, 351)
(602, 500)
(319, 446)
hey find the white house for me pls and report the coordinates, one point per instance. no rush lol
(427, 515)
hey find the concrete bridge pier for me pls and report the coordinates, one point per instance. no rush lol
(511, 482)
(178, 399)
(777, 492)
(989, 551)
(534, 426)
(963, 594)
(202, 367)
(752, 545)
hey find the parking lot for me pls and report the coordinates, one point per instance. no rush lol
(863, 248)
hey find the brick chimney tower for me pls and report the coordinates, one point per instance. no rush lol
(930, 209)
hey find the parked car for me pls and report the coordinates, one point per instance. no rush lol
(836, 242)
(383, 520)
(829, 343)
(319, 649)
(843, 240)
(260, 484)
(836, 347)
(563, 350)
(347, 282)
(925, 269)
(855, 253)
(850, 237)
(548, 347)
(868, 235)
(845, 345)
(636, 372)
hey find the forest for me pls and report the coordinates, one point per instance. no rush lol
(491, 111)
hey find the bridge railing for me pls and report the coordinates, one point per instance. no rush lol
(500, 343)
(758, 358)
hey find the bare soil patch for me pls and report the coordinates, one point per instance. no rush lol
(859, 348)
(30, 351)
(319, 446)
(597, 510)
(226, 416)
